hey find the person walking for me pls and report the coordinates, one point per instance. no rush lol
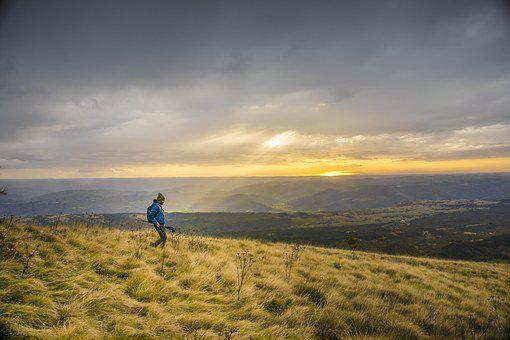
(156, 216)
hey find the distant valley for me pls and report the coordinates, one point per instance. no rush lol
(456, 229)
(277, 194)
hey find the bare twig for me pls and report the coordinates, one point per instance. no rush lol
(26, 257)
(244, 262)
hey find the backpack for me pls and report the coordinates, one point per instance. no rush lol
(149, 209)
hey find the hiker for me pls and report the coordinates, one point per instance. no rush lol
(156, 216)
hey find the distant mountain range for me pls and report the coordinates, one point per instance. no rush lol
(277, 194)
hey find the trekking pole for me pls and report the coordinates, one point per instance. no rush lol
(170, 228)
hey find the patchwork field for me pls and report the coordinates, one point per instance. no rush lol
(89, 282)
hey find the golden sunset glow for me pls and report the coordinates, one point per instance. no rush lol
(336, 173)
(308, 167)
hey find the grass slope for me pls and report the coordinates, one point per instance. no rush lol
(88, 283)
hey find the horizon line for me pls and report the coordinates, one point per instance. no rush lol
(264, 176)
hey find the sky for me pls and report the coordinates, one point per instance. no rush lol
(253, 88)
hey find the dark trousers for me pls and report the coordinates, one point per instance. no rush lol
(162, 234)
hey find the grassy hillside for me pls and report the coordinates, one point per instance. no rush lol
(457, 230)
(105, 283)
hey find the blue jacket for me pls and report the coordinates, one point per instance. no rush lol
(157, 213)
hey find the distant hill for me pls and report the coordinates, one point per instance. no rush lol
(41, 197)
(80, 201)
(231, 203)
(359, 198)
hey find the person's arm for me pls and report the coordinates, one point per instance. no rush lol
(152, 215)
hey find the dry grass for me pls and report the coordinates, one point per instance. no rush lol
(97, 283)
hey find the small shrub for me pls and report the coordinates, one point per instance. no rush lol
(290, 258)
(314, 293)
(353, 243)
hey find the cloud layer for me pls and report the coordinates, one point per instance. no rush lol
(116, 85)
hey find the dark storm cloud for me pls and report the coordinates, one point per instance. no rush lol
(100, 82)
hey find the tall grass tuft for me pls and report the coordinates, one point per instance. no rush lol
(314, 293)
